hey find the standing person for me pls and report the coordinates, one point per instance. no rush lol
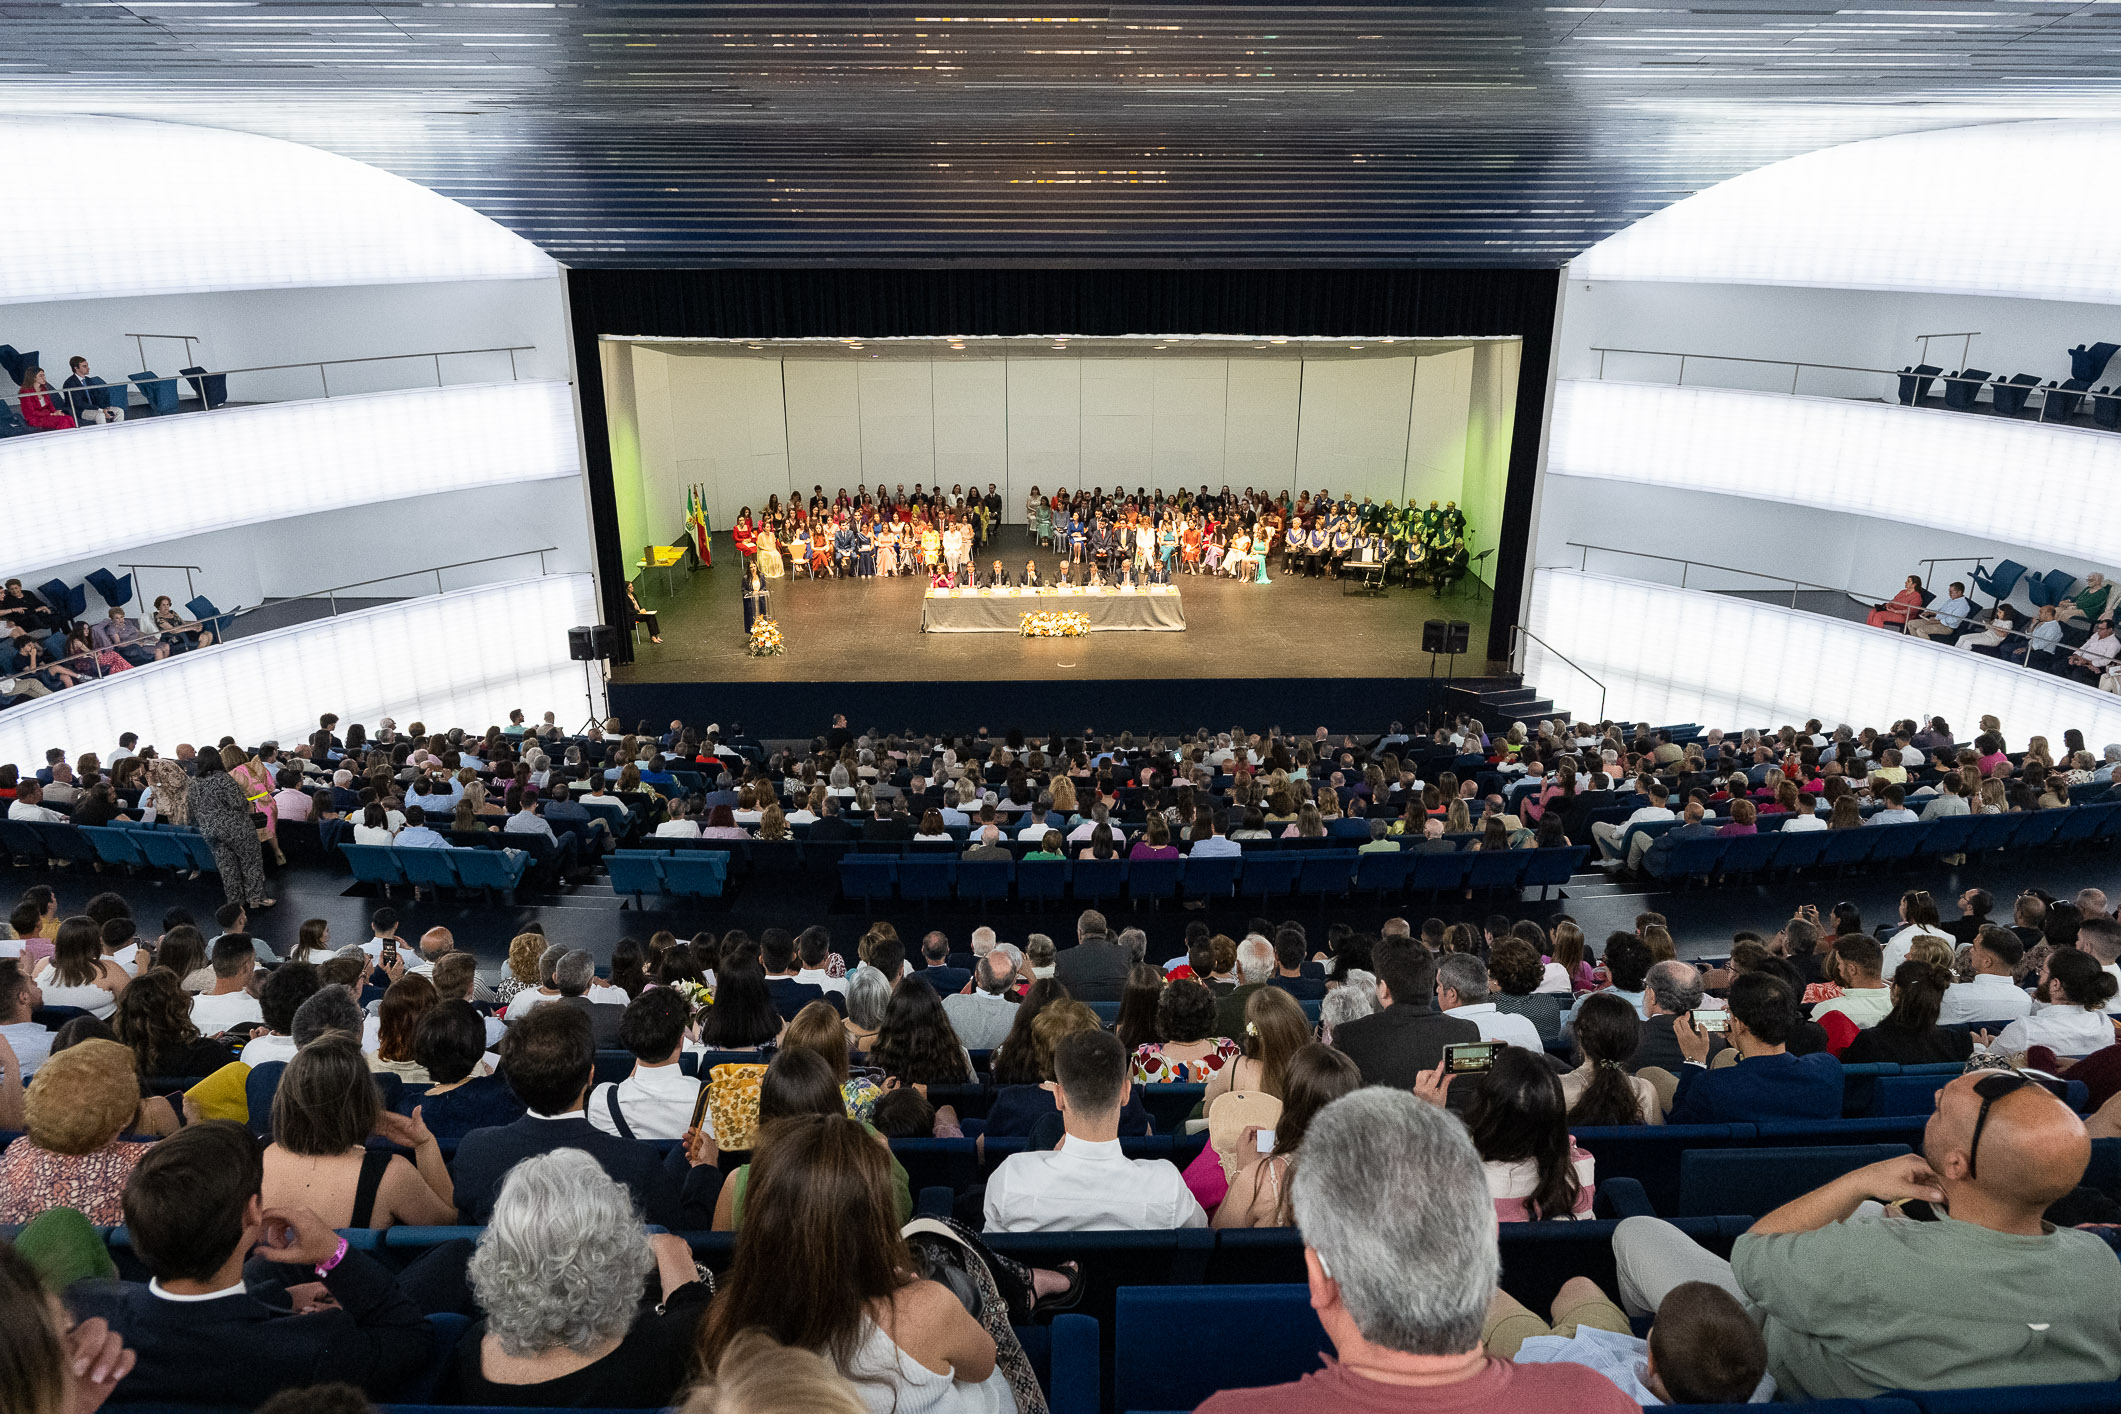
(256, 778)
(758, 602)
(222, 813)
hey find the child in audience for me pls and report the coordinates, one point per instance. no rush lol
(1704, 1348)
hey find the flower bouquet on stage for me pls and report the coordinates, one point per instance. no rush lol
(1056, 623)
(765, 639)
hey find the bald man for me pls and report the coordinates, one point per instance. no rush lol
(1854, 1299)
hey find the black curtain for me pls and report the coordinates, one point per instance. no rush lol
(883, 303)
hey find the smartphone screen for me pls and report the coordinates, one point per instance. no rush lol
(1266, 1141)
(390, 953)
(699, 1109)
(1711, 1019)
(1470, 1057)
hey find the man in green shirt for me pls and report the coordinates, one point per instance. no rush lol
(1854, 1299)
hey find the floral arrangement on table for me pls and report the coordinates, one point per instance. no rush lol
(1056, 623)
(765, 640)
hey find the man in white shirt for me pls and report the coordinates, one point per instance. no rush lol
(657, 1100)
(383, 928)
(1216, 842)
(1864, 999)
(1087, 1184)
(983, 1016)
(1994, 994)
(2096, 654)
(1099, 814)
(677, 827)
(229, 1001)
(813, 951)
(28, 806)
(19, 996)
(279, 1000)
(1462, 990)
(1945, 618)
(418, 834)
(1609, 835)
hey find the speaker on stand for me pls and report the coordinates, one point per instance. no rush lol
(587, 644)
(1447, 636)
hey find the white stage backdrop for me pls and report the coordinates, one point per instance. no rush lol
(458, 659)
(2023, 483)
(152, 480)
(1681, 655)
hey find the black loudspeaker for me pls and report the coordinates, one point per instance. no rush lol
(1457, 634)
(586, 643)
(1432, 633)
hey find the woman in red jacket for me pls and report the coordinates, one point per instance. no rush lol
(38, 411)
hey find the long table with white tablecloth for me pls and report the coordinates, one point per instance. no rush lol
(1154, 607)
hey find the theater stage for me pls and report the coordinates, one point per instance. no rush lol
(1254, 652)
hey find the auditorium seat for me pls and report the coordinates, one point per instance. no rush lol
(2008, 395)
(1211, 876)
(1269, 1335)
(1269, 876)
(1962, 390)
(1755, 1182)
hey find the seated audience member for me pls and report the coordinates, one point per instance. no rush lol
(981, 1017)
(450, 1046)
(549, 1059)
(1627, 964)
(229, 1002)
(657, 1100)
(1919, 918)
(1400, 1246)
(1909, 1033)
(1864, 999)
(1274, 1030)
(1516, 970)
(55, 1364)
(1302, 980)
(936, 966)
(1600, 1090)
(396, 1022)
(1519, 1123)
(915, 1042)
(323, 1115)
(291, 984)
(79, 975)
(154, 1019)
(1992, 993)
(1187, 1048)
(799, 1082)
(1462, 989)
(75, 1154)
(19, 997)
(778, 954)
(1853, 1301)
(2072, 1021)
(1260, 1190)
(195, 1217)
(1405, 1036)
(573, 974)
(820, 1265)
(1768, 1082)
(759, 1375)
(1703, 1349)
(1020, 1104)
(456, 979)
(1087, 1183)
(1669, 989)
(559, 1272)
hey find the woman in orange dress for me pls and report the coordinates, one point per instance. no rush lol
(1895, 612)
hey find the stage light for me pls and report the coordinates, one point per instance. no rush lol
(153, 480)
(2002, 209)
(1685, 655)
(459, 659)
(1900, 463)
(203, 209)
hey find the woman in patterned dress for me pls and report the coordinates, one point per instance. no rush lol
(1190, 1051)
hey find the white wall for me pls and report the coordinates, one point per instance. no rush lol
(747, 428)
(462, 659)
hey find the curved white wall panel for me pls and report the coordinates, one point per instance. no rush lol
(459, 659)
(200, 209)
(2023, 483)
(2019, 209)
(151, 480)
(1680, 655)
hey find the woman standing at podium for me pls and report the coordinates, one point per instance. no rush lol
(758, 602)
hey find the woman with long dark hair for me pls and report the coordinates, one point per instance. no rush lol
(79, 975)
(742, 1017)
(916, 1043)
(1909, 1033)
(153, 1019)
(1015, 1060)
(1600, 1091)
(800, 1082)
(1519, 1123)
(1315, 1077)
(1136, 1026)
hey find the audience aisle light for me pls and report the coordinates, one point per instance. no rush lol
(459, 659)
(1907, 464)
(2004, 209)
(1685, 655)
(159, 479)
(202, 209)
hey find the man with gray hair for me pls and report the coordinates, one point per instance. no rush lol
(1136, 943)
(572, 976)
(982, 1017)
(1255, 969)
(1462, 990)
(1400, 1247)
(1095, 969)
(328, 1009)
(1669, 989)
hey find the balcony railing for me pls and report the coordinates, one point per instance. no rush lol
(322, 367)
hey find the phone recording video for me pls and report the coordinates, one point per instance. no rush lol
(1470, 1057)
(1711, 1019)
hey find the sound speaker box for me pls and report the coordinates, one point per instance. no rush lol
(587, 643)
(1432, 636)
(1457, 635)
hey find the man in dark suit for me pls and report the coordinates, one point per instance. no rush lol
(996, 578)
(1302, 980)
(572, 976)
(1669, 989)
(830, 826)
(1095, 969)
(549, 1059)
(777, 953)
(1394, 1045)
(888, 826)
(935, 958)
(218, 1323)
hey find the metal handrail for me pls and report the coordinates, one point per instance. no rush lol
(1518, 633)
(435, 570)
(1797, 367)
(60, 394)
(1966, 350)
(1584, 564)
(191, 590)
(140, 343)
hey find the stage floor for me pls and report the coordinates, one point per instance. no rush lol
(869, 630)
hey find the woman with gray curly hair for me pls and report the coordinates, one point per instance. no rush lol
(562, 1272)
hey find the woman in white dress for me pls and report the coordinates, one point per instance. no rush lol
(820, 1265)
(769, 552)
(79, 975)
